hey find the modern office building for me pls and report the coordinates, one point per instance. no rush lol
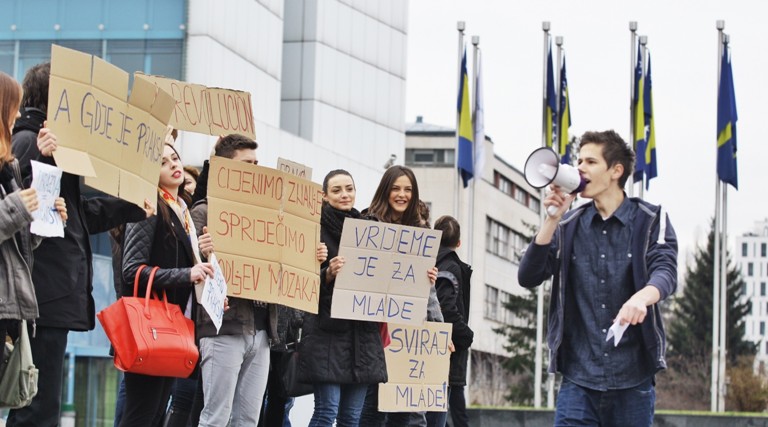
(327, 79)
(495, 225)
(752, 258)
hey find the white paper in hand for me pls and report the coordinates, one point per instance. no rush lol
(616, 332)
(214, 293)
(46, 179)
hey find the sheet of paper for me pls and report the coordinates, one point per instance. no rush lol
(214, 293)
(46, 179)
(616, 332)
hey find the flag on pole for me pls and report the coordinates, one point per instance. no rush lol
(478, 122)
(464, 160)
(726, 124)
(650, 131)
(637, 102)
(550, 116)
(564, 115)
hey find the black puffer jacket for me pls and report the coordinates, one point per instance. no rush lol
(63, 268)
(340, 351)
(453, 281)
(153, 243)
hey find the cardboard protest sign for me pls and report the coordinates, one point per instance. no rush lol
(265, 225)
(214, 293)
(418, 361)
(385, 275)
(293, 168)
(116, 144)
(202, 109)
(46, 179)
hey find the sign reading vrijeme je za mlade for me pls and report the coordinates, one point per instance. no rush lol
(385, 276)
(265, 227)
(116, 145)
(418, 361)
(208, 110)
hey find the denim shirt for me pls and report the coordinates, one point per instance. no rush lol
(599, 283)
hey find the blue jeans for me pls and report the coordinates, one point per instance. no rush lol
(579, 406)
(340, 402)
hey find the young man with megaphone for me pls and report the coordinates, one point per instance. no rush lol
(612, 260)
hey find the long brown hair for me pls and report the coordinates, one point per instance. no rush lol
(380, 204)
(10, 101)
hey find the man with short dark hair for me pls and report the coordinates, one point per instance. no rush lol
(613, 260)
(453, 287)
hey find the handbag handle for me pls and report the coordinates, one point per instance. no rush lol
(147, 313)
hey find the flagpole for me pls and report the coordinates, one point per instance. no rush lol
(558, 89)
(715, 382)
(475, 43)
(539, 363)
(723, 280)
(644, 53)
(460, 25)
(632, 64)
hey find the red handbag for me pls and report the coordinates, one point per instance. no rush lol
(150, 336)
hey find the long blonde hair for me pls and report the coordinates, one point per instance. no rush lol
(10, 101)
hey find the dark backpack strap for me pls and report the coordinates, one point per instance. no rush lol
(450, 277)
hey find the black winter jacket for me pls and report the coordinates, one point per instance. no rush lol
(340, 351)
(63, 269)
(153, 243)
(453, 283)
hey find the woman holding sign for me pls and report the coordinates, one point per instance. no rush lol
(16, 206)
(167, 240)
(397, 201)
(342, 356)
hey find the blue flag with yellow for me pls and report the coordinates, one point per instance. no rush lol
(650, 131)
(564, 115)
(464, 161)
(550, 115)
(638, 104)
(726, 124)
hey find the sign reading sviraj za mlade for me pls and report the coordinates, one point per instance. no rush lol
(116, 144)
(385, 277)
(418, 361)
(265, 226)
(208, 110)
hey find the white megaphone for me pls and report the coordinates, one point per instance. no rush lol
(543, 167)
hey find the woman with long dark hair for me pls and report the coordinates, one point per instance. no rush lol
(167, 240)
(396, 201)
(345, 356)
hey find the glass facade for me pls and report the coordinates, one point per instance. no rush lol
(141, 35)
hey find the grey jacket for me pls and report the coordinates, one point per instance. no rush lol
(17, 293)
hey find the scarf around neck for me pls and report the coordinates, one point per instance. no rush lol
(333, 219)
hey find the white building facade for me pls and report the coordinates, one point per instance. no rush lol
(752, 258)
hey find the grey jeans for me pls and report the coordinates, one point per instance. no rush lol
(234, 374)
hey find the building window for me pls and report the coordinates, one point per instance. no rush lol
(744, 249)
(762, 289)
(534, 204)
(503, 183)
(491, 302)
(762, 328)
(504, 242)
(428, 157)
(763, 250)
(750, 269)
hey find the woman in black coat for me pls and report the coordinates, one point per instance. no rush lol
(345, 356)
(167, 240)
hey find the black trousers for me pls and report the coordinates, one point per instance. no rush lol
(457, 406)
(48, 348)
(146, 398)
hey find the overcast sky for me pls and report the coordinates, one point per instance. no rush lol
(682, 38)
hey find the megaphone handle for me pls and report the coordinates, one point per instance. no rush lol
(552, 210)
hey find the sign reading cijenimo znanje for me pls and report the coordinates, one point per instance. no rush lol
(117, 144)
